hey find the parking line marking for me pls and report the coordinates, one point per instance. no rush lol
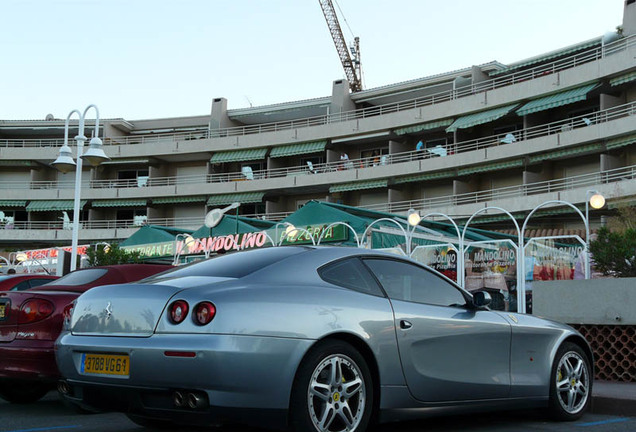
(46, 428)
(602, 422)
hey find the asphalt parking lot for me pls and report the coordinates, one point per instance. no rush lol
(50, 414)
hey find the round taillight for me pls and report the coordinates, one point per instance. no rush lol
(178, 311)
(34, 310)
(204, 312)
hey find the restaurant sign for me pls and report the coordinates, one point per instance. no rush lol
(152, 250)
(237, 242)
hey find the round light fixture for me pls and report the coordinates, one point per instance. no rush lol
(414, 218)
(597, 201)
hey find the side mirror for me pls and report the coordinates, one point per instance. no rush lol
(481, 299)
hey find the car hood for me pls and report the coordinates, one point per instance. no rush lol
(129, 309)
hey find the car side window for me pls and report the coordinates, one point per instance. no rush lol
(38, 282)
(21, 286)
(350, 273)
(409, 282)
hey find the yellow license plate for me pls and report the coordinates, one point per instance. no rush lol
(3, 311)
(105, 364)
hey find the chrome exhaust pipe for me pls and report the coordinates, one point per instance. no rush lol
(196, 401)
(179, 399)
(63, 387)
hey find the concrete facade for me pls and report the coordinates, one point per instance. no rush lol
(560, 151)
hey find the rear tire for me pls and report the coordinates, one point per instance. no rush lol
(23, 392)
(570, 383)
(333, 390)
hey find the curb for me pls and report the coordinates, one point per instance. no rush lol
(613, 406)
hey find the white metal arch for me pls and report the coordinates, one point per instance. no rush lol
(523, 230)
(366, 231)
(521, 292)
(460, 238)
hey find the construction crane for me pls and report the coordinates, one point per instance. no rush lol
(350, 60)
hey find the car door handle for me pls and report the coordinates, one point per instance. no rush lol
(405, 325)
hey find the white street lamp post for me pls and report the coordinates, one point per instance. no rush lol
(413, 219)
(65, 163)
(597, 201)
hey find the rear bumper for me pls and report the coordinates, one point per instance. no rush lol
(157, 404)
(28, 360)
(236, 373)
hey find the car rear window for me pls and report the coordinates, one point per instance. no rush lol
(79, 277)
(236, 265)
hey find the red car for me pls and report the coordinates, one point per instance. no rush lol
(31, 321)
(21, 282)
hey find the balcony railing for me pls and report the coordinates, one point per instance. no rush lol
(559, 185)
(369, 162)
(585, 56)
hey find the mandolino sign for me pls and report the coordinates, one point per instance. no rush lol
(241, 241)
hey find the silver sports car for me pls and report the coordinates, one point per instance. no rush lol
(313, 339)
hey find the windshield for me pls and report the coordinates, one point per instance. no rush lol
(234, 265)
(79, 277)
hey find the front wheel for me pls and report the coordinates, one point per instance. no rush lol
(333, 390)
(570, 383)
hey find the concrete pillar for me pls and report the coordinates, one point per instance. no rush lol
(461, 187)
(533, 177)
(400, 147)
(274, 163)
(629, 18)
(341, 98)
(218, 115)
(276, 206)
(397, 195)
(609, 162)
(332, 156)
(478, 75)
(609, 101)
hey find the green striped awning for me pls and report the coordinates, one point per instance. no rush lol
(243, 198)
(620, 142)
(179, 199)
(12, 203)
(570, 151)
(120, 203)
(239, 155)
(490, 167)
(480, 118)
(621, 204)
(424, 177)
(298, 149)
(423, 127)
(556, 100)
(623, 79)
(57, 205)
(16, 163)
(370, 184)
(549, 56)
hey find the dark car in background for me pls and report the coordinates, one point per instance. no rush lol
(21, 282)
(31, 320)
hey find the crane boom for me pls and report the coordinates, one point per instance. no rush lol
(351, 66)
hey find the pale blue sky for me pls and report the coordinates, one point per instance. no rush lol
(141, 59)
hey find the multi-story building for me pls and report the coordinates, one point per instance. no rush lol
(551, 127)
